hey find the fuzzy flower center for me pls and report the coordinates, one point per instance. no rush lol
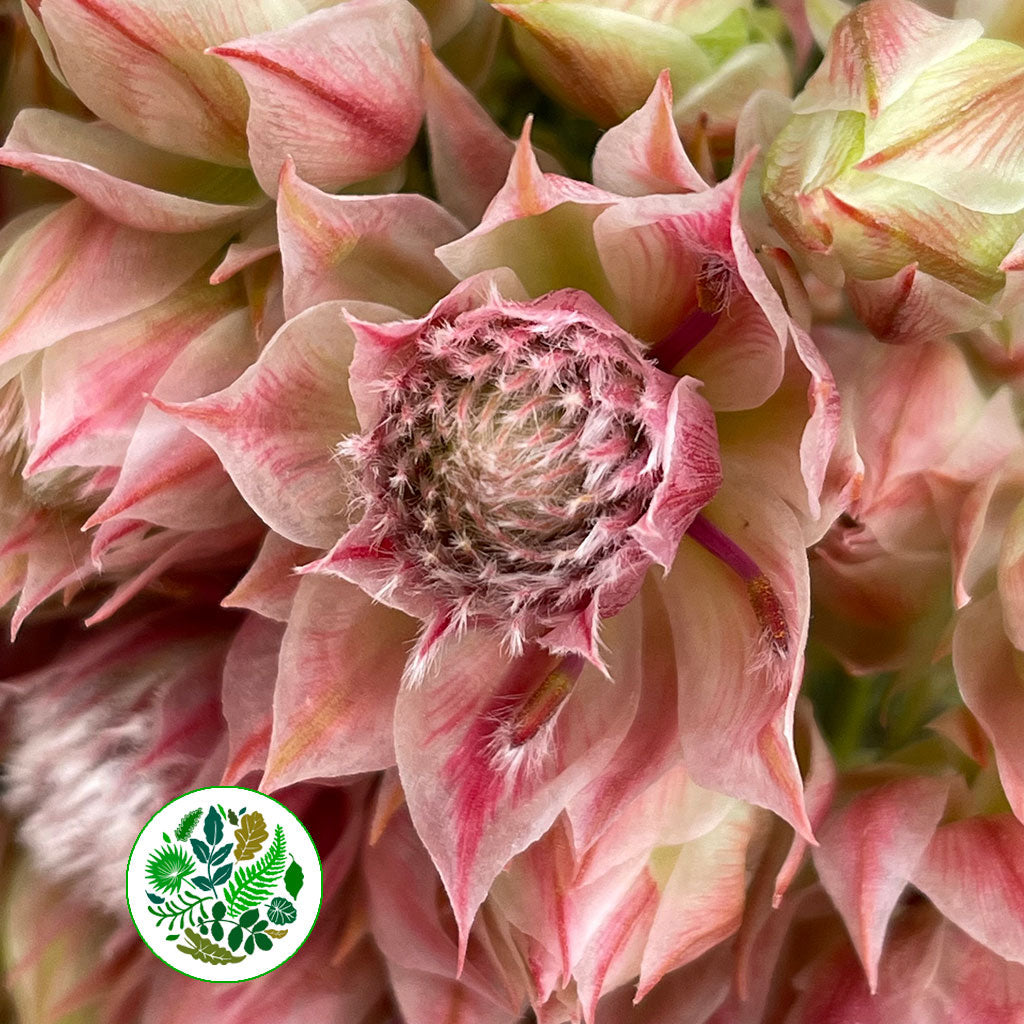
(511, 457)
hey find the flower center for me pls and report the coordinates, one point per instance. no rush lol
(511, 457)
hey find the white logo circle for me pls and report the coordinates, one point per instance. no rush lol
(224, 884)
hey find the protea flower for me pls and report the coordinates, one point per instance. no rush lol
(875, 179)
(565, 335)
(103, 736)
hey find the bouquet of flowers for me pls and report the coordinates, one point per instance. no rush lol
(569, 453)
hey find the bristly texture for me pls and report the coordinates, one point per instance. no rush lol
(518, 450)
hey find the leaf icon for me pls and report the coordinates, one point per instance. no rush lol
(253, 883)
(281, 911)
(251, 836)
(277, 933)
(293, 879)
(213, 826)
(208, 951)
(187, 824)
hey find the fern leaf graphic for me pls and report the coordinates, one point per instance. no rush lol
(254, 883)
(187, 824)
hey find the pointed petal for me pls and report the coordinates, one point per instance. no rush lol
(703, 898)
(971, 872)
(737, 697)
(490, 749)
(691, 473)
(270, 584)
(169, 476)
(94, 384)
(868, 853)
(913, 306)
(276, 428)
(469, 154)
(356, 247)
(257, 239)
(988, 671)
(248, 694)
(341, 664)
(541, 227)
(67, 275)
(644, 154)
(351, 74)
(877, 51)
(650, 747)
(124, 179)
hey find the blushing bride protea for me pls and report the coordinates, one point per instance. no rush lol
(522, 465)
(482, 456)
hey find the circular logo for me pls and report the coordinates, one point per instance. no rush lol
(224, 884)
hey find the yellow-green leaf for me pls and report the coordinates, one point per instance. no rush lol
(251, 835)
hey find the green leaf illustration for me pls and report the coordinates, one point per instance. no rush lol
(281, 911)
(187, 824)
(201, 850)
(251, 836)
(232, 817)
(213, 827)
(221, 854)
(293, 879)
(222, 874)
(248, 918)
(167, 868)
(218, 910)
(217, 931)
(208, 951)
(253, 883)
(175, 911)
(201, 883)
(263, 941)
(153, 898)
(235, 937)
(250, 945)
(167, 838)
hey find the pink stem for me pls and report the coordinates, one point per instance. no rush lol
(680, 341)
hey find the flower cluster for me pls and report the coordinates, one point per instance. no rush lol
(574, 468)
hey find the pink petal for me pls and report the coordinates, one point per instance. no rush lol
(540, 226)
(692, 473)
(94, 384)
(340, 668)
(819, 792)
(169, 477)
(257, 240)
(644, 154)
(877, 52)
(412, 925)
(490, 749)
(276, 428)
(913, 306)
(971, 871)
(650, 747)
(988, 673)
(248, 693)
(469, 154)
(358, 247)
(350, 74)
(124, 179)
(146, 73)
(67, 275)
(703, 899)
(270, 584)
(869, 852)
(737, 697)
